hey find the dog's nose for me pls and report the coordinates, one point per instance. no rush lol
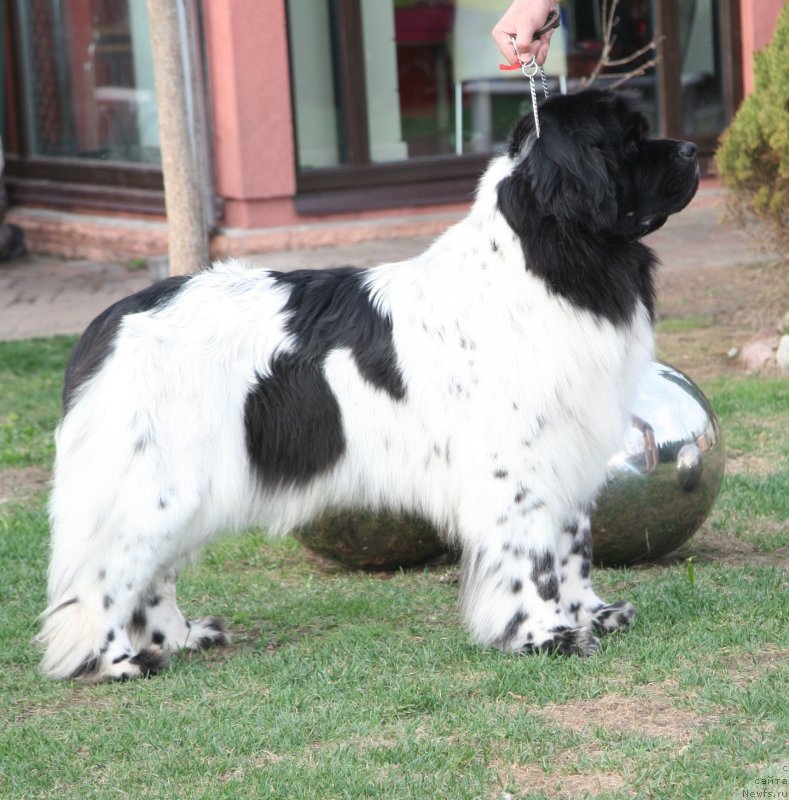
(687, 149)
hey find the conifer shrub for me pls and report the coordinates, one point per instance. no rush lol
(753, 157)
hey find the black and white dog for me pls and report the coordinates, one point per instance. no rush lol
(483, 385)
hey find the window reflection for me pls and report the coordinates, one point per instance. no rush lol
(88, 80)
(433, 87)
(702, 84)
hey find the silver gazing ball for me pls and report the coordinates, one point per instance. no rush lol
(372, 540)
(664, 480)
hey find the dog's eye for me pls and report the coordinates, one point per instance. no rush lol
(631, 147)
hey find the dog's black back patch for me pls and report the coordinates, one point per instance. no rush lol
(96, 343)
(293, 421)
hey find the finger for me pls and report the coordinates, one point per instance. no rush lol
(542, 49)
(525, 46)
(502, 39)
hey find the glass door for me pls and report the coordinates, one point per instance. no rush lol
(700, 77)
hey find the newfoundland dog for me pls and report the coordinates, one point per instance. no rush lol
(482, 385)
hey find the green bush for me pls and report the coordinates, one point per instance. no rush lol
(753, 157)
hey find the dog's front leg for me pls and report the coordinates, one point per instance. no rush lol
(578, 598)
(510, 584)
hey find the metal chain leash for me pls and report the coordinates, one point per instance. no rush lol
(544, 80)
(530, 69)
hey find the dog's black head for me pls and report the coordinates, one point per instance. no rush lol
(594, 166)
(582, 193)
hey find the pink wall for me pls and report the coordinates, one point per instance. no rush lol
(758, 18)
(251, 110)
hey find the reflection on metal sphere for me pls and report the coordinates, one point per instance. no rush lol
(376, 541)
(664, 480)
(661, 486)
(689, 467)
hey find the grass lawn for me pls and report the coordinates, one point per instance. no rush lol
(353, 685)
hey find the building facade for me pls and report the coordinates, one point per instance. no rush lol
(321, 120)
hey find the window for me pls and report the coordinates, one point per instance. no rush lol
(406, 79)
(701, 77)
(87, 77)
(394, 92)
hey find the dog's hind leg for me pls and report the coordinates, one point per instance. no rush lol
(158, 622)
(578, 598)
(115, 620)
(84, 634)
(510, 585)
(110, 541)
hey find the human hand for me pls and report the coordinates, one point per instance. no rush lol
(521, 20)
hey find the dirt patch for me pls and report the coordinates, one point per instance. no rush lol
(704, 312)
(77, 697)
(563, 781)
(650, 716)
(582, 770)
(20, 484)
(739, 462)
(250, 765)
(743, 668)
(711, 546)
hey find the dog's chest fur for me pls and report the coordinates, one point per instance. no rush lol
(518, 380)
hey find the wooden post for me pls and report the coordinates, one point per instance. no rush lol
(188, 237)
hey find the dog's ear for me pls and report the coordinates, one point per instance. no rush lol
(571, 178)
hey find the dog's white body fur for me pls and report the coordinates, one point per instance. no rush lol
(507, 385)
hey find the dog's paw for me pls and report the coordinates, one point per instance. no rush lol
(207, 632)
(565, 642)
(614, 617)
(121, 667)
(149, 661)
